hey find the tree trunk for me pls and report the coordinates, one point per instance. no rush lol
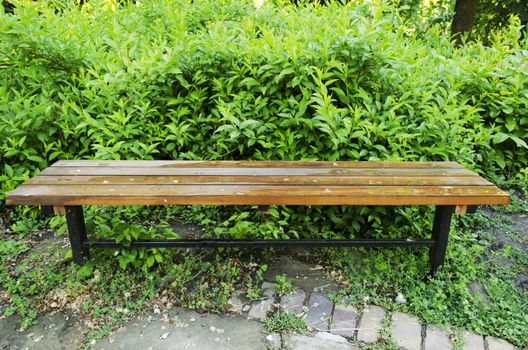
(465, 13)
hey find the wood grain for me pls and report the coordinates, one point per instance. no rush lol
(256, 183)
(259, 180)
(254, 163)
(250, 194)
(254, 171)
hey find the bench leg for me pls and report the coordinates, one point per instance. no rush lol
(77, 233)
(441, 225)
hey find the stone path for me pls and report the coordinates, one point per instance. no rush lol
(339, 326)
(185, 329)
(53, 332)
(330, 326)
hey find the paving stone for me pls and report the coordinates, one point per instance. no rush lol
(437, 339)
(498, 344)
(236, 303)
(274, 341)
(370, 324)
(332, 338)
(293, 302)
(477, 290)
(302, 275)
(184, 329)
(260, 309)
(319, 311)
(268, 290)
(53, 331)
(406, 331)
(344, 321)
(320, 340)
(473, 341)
(8, 329)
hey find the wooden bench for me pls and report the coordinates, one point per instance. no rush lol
(71, 184)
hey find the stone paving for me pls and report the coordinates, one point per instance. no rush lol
(340, 326)
(293, 303)
(370, 324)
(330, 325)
(344, 321)
(53, 331)
(406, 331)
(185, 329)
(319, 311)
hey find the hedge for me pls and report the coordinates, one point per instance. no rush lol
(175, 79)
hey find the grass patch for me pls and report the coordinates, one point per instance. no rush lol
(285, 322)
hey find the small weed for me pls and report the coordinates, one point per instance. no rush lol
(25, 278)
(285, 322)
(11, 249)
(254, 291)
(282, 285)
(385, 341)
(26, 220)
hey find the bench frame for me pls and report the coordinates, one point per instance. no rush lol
(437, 244)
(68, 185)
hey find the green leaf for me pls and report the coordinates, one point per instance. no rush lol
(510, 123)
(518, 141)
(68, 255)
(85, 271)
(500, 137)
(8, 170)
(150, 261)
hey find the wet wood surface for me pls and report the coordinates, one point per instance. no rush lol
(257, 183)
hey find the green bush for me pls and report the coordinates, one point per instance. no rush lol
(178, 79)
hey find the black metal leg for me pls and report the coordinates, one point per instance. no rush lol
(441, 225)
(77, 233)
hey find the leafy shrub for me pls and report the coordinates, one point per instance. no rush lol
(177, 79)
(334, 82)
(128, 224)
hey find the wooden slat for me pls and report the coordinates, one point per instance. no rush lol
(256, 182)
(260, 180)
(257, 195)
(242, 171)
(251, 164)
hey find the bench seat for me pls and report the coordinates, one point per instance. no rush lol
(257, 183)
(70, 184)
